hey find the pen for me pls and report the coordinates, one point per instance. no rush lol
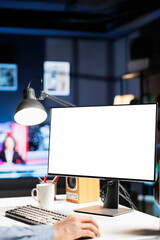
(45, 179)
(40, 180)
(55, 179)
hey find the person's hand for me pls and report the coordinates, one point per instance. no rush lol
(76, 226)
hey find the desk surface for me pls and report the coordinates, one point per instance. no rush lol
(134, 225)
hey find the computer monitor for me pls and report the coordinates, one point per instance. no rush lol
(30, 157)
(19, 171)
(105, 142)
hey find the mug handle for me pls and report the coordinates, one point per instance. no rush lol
(33, 194)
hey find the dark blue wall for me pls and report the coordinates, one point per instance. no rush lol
(28, 53)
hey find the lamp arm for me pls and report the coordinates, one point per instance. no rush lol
(55, 99)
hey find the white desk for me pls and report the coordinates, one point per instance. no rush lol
(134, 225)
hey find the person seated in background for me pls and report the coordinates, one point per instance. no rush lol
(71, 228)
(9, 153)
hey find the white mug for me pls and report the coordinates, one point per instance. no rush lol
(43, 194)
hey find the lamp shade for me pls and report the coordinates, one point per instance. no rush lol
(30, 111)
(130, 75)
(123, 99)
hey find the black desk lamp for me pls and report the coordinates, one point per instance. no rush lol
(30, 111)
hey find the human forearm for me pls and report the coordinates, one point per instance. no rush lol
(41, 232)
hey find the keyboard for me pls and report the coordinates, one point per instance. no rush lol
(35, 215)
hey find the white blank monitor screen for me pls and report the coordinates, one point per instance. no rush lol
(113, 142)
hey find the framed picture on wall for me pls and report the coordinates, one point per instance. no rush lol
(56, 78)
(8, 77)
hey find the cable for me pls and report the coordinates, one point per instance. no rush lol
(124, 195)
(128, 200)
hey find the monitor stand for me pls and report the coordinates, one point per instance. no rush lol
(110, 207)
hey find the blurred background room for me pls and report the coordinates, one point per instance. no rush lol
(99, 52)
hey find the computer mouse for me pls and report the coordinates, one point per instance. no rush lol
(84, 238)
